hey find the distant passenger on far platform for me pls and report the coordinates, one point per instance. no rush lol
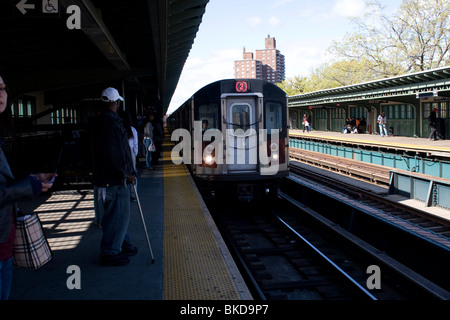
(305, 122)
(433, 125)
(362, 125)
(382, 124)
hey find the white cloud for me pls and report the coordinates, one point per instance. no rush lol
(301, 59)
(274, 21)
(279, 3)
(254, 21)
(349, 8)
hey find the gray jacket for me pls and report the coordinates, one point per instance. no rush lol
(11, 191)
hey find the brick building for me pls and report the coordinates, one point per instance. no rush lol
(267, 64)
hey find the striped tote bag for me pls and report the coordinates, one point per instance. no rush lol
(31, 248)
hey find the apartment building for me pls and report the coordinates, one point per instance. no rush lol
(267, 64)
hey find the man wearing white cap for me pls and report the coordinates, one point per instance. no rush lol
(113, 170)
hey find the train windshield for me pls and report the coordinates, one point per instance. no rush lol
(241, 116)
(209, 115)
(273, 116)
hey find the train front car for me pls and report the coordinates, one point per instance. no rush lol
(239, 138)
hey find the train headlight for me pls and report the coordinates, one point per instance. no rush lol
(209, 160)
(274, 151)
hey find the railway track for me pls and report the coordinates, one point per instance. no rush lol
(364, 171)
(438, 228)
(417, 243)
(310, 245)
(280, 263)
(288, 255)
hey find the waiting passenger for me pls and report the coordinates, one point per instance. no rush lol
(113, 170)
(347, 127)
(133, 141)
(356, 127)
(362, 125)
(432, 121)
(305, 122)
(148, 142)
(382, 124)
(11, 191)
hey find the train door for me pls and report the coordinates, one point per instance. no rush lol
(241, 135)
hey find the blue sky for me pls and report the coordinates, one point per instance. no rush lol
(303, 31)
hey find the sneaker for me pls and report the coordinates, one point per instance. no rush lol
(110, 260)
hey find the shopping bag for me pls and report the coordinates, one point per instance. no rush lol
(31, 248)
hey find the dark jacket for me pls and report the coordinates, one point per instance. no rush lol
(11, 191)
(432, 119)
(110, 149)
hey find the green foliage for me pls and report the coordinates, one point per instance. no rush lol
(415, 38)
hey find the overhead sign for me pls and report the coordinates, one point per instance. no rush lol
(37, 8)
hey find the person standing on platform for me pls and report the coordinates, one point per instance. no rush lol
(305, 122)
(432, 121)
(148, 141)
(308, 120)
(382, 124)
(113, 170)
(11, 191)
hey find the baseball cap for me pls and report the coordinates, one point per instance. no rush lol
(111, 95)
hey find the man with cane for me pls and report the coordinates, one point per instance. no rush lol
(113, 171)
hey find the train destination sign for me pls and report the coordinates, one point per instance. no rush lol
(242, 86)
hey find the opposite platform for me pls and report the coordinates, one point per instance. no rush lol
(439, 147)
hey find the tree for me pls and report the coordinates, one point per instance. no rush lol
(415, 38)
(420, 31)
(293, 86)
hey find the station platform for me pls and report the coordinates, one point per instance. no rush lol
(410, 144)
(191, 259)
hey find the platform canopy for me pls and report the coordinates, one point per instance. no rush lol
(144, 42)
(406, 88)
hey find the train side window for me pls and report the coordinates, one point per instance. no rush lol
(273, 116)
(240, 114)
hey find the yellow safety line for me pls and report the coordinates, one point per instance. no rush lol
(410, 146)
(194, 268)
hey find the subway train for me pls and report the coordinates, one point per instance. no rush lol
(233, 136)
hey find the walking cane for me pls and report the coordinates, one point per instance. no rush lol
(143, 221)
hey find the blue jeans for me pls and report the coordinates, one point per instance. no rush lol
(114, 217)
(148, 158)
(382, 128)
(6, 269)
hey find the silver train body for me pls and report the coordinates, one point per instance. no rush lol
(233, 135)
